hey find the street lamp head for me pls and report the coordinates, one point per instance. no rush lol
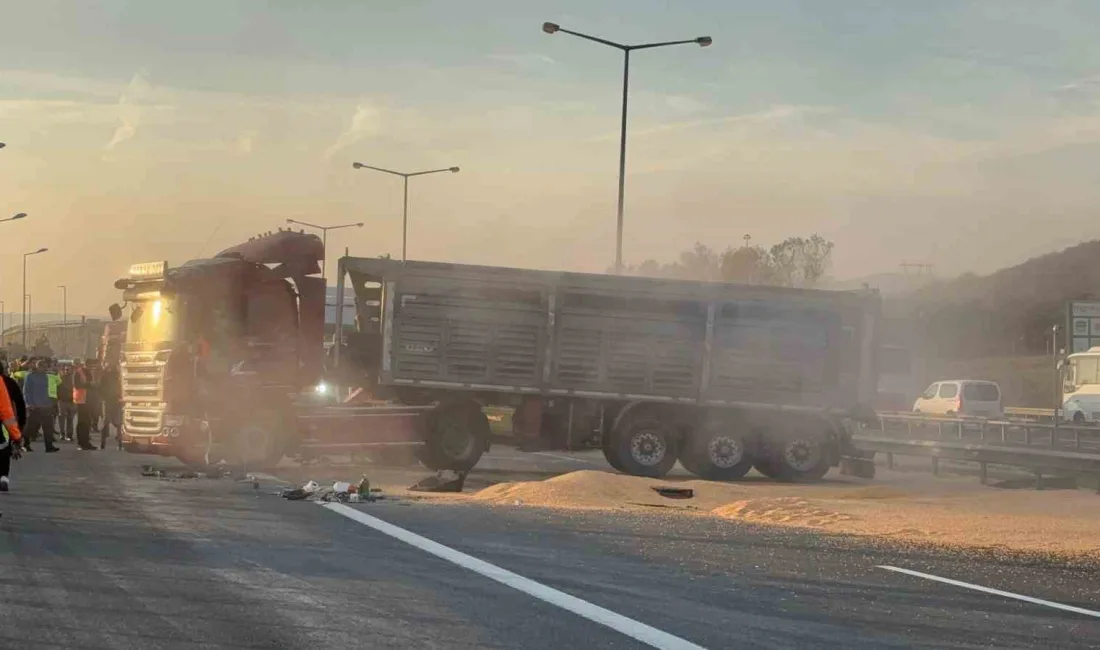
(357, 165)
(2, 145)
(550, 28)
(704, 41)
(21, 215)
(359, 225)
(41, 250)
(454, 170)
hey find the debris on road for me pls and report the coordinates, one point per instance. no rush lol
(444, 481)
(673, 492)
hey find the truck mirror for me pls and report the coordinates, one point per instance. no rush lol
(136, 313)
(115, 311)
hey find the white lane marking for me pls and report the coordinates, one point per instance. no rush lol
(269, 477)
(564, 457)
(634, 629)
(995, 592)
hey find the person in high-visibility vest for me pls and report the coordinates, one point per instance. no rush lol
(11, 431)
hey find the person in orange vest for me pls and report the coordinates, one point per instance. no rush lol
(10, 433)
(81, 381)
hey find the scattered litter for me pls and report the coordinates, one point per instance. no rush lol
(674, 492)
(341, 491)
(444, 481)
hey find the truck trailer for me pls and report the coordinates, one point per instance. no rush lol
(222, 357)
(721, 377)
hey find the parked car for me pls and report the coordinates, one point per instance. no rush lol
(970, 397)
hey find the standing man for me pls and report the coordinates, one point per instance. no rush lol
(66, 410)
(110, 390)
(36, 391)
(11, 408)
(54, 381)
(83, 414)
(95, 398)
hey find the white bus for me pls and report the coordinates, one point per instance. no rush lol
(1081, 386)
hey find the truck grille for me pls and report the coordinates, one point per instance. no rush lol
(143, 391)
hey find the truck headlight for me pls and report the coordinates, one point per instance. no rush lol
(322, 388)
(173, 420)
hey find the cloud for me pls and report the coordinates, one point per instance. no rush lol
(524, 59)
(685, 104)
(245, 143)
(130, 109)
(769, 116)
(366, 122)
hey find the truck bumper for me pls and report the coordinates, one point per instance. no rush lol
(179, 437)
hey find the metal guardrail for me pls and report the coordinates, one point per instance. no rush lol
(1029, 413)
(1061, 435)
(1036, 460)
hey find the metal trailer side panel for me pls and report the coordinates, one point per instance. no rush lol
(600, 336)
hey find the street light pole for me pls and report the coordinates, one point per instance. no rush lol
(324, 237)
(701, 41)
(26, 298)
(405, 206)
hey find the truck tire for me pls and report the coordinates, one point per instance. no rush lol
(717, 452)
(610, 454)
(258, 444)
(455, 437)
(644, 444)
(800, 457)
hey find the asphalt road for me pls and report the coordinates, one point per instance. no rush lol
(93, 555)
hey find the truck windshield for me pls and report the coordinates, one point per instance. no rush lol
(153, 321)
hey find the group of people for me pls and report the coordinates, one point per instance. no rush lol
(57, 401)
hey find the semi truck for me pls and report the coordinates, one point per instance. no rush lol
(221, 354)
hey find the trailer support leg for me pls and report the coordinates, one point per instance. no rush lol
(935, 466)
(889, 460)
(983, 473)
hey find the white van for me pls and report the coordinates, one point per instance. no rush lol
(971, 397)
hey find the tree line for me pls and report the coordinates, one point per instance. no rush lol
(793, 262)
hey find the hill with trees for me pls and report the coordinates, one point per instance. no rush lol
(1009, 312)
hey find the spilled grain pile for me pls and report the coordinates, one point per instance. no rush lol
(940, 512)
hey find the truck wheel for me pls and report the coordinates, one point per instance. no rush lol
(454, 438)
(610, 454)
(716, 453)
(800, 458)
(644, 446)
(258, 445)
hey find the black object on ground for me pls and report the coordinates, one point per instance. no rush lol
(444, 481)
(674, 492)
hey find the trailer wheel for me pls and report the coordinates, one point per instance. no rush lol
(800, 457)
(610, 453)
(455, 436)
(644, 445)
(715, 452)
(258, 444)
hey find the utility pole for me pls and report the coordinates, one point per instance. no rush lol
(64, 318)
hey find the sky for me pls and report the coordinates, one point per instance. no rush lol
(959, 133)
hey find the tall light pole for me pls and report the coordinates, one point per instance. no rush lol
(324, 237)
(3, 318)
(405, 209)
(701, 41)
(64, 317)
(26, 298)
